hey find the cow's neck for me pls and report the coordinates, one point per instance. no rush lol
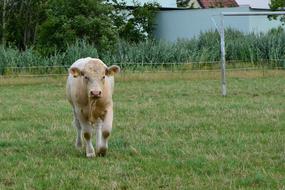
(97, 109)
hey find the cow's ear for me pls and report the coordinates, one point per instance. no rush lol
(112, 70)
(75, 72)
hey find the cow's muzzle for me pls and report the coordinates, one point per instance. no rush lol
(95, 94)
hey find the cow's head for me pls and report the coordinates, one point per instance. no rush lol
(93, 75)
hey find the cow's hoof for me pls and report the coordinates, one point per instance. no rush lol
(102, 152)
(90, 155)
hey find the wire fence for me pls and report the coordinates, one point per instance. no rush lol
(211, 66)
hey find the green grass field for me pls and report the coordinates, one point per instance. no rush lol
(171, 131)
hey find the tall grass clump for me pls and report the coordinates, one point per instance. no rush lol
(201, 49)
(150, 51)
(12, 58)
(254, 48)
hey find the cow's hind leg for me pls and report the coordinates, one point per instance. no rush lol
(76, 124)
(106, 131)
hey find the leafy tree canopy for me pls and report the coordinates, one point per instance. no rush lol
(50, 25)
(278, 5)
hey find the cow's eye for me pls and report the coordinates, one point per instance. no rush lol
(103, 77)
(86, 78)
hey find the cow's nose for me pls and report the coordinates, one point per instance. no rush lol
(95, 93)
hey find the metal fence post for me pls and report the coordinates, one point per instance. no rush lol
(223, 58)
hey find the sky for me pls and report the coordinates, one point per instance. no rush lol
(254, 3)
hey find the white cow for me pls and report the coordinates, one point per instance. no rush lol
(89, 90)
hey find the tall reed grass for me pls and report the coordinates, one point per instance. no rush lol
(267, 48)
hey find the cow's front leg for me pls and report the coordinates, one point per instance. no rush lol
(87, 134)
(98, 137)
(106, 131)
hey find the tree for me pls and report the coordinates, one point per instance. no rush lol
(50, 25)
(3, 8)
(135, 23)
(184, 3)
(68, 20)
(278, 5)
(100, 22)
(20, 19)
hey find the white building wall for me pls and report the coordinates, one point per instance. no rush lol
(262, 23)
(186, 24)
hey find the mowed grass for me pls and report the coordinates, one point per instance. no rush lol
(171, 131)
